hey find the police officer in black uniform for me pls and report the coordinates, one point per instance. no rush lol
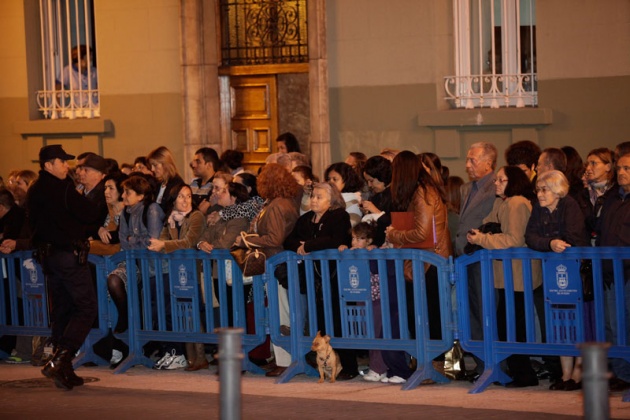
(58, 215)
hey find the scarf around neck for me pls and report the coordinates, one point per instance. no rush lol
(177, 217)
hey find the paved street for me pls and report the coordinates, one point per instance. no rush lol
(146, 393)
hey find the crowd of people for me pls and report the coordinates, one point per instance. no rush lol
(547, 200)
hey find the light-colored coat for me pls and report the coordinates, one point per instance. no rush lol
(512, 213)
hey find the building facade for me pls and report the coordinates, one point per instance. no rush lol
(375, 76)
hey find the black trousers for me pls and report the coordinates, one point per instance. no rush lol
(72, 297)
(518, 364)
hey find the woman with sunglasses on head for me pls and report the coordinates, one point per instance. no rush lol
(511, 209)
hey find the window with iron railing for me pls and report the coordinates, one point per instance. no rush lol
(495, 54)
(70, 80)
(255, 32)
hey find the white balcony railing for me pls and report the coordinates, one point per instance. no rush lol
(492, 91)
(69, 103)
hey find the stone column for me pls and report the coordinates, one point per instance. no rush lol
(200, 81)
(318, 86)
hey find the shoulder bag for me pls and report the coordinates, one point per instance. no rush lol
(250, 259)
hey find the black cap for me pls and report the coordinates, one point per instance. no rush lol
(54, 151)
(95, 162)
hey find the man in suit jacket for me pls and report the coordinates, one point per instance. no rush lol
(478, 194)
(477, 199)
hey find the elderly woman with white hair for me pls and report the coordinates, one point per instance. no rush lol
(326, 226)
(556, 224)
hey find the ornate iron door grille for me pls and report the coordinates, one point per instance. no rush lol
(255, 32)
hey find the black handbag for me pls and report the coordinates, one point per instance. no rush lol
(490, 227)
(251, 259)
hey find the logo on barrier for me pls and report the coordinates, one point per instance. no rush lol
(562, 281)
(354, 280)
(562, 278)
(183, 277)
(354, 277)
(35, 281)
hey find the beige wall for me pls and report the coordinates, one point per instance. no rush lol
(382, 43)
(386, 65)
(388, 59)
(139, 81)
(583, 39)
(12, 50)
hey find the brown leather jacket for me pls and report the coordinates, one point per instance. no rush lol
(425, 207)
(276, 221)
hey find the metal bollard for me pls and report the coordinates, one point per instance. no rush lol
(230, 362)
(595, 380)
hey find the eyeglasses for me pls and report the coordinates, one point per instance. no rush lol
(500, 180)
(543, 190)
(622, 168)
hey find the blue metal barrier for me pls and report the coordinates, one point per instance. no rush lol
(86, 353)
(23, 289)
(166, 302)
(563, 318)
(347, 274)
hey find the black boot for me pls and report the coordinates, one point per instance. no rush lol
(58, 369)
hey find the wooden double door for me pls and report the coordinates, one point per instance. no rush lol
(253, 117)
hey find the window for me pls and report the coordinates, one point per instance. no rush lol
(70, 80)
(495, 54)
(255, 32)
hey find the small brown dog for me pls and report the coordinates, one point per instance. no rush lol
(328, 362)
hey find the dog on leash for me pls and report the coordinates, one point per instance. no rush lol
(328, 363)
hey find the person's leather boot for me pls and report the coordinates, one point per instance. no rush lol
(198, 361)
(72, 376)
(57, 368)
(191, 354)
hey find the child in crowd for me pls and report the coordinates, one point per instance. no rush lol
(362, 238)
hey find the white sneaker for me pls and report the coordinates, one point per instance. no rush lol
(393, 380)
(165, 360)
(177, 362)
(372, 376)
(116, 357)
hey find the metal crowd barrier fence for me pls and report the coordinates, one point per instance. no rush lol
(159, 309)
(170, 299)
(23, 297)
(337, 289)
(26, 308)
(562, 316)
